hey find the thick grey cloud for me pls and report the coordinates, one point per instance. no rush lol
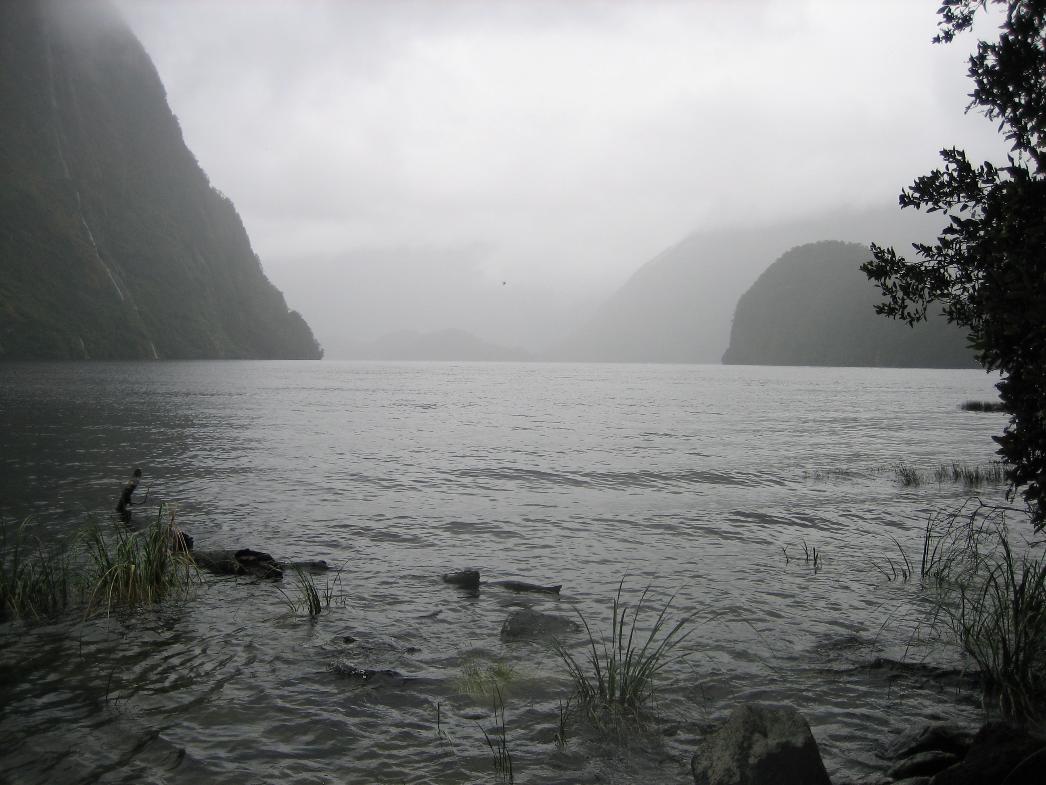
(563, 143)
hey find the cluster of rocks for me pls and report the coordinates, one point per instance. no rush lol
(524, 623)
(944, 755)
(764, 745)
(246, 561)
(469, 579)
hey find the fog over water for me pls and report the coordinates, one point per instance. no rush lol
(493, 166)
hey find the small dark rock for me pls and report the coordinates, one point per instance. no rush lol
(466, 579)
(923, 764)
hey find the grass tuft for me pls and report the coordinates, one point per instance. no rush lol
(35, 582)
(908, 476)
(309, 598)
(991, 473)
(982, 406)
(131, 569)
(617, 676)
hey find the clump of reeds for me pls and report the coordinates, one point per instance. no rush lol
(35, 581)
(971, 476)
(901, 570)
(811, 555)
(908, 475)
(127, 568)
(993, 598)
(982, 406)
(617, 676)
(309, 598)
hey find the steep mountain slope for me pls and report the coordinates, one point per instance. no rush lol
(678, 306)
(813, 306)
(112, 242)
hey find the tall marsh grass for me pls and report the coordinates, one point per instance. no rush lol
(102, 567)
(617, 675)
(35, 580)
(991, 473)
(992, 597)
(128, 568)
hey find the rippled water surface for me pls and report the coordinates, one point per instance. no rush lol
(699, 481)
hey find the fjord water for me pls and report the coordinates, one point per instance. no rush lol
(702, 482)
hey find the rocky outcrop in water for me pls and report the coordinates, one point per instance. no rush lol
(760, 745)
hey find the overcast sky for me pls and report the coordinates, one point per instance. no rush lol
(549, 143)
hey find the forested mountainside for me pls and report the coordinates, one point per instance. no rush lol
(813, 306)
(113, 244)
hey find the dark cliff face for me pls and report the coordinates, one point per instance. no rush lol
(813, 306)
(113, 244)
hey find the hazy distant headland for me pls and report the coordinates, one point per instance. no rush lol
(441, 345)
(113, 244)
(813, 306)
(679, 306)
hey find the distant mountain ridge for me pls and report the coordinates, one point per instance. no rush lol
(677, 308)
(113, 244)
(813, 306)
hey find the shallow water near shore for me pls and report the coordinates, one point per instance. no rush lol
(702, 482)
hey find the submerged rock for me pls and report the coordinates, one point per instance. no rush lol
(242, 562)
(760, 745)
(523, 586)
(528, 624)
(466, 579)
(310, 565)
(363, 674)
(469, 579)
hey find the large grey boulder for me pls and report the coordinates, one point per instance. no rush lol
(760, 745)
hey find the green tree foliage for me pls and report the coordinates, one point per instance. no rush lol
(987, 269)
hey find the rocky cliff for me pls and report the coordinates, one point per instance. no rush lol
(113, 243)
